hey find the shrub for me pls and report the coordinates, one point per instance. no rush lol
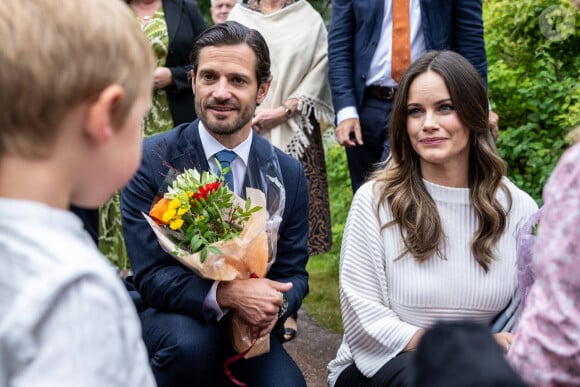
(533, 51)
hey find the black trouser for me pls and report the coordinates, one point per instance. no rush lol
(396, 373)
(374, 116)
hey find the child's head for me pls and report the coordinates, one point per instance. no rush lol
(58, 54)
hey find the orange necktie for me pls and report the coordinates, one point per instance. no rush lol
(401, 55)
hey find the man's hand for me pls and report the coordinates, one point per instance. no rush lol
(256, 301)
(493, 124)
(348, 133)
(162, 78)
(267, 119)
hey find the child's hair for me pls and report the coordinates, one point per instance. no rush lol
(57, 54)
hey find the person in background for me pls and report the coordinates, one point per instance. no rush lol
(546, 346)
(186, 317)
(299, 104)
(370, 44)
(171, 27)
(433, 235)
(74, 137)
(220, 9)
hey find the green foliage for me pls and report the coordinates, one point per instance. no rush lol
(323, 301)
(533, 52)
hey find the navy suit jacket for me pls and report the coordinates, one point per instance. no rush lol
(165, 284)
(355, 29)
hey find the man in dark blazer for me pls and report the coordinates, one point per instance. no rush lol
(362, 94)
(185, 318)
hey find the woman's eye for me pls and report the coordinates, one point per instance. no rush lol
(446, 108)
(414, 112)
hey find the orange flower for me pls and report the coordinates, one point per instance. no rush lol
(158, 210)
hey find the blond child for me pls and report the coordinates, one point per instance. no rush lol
(75, 83)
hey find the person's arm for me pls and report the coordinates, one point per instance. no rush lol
(161, 280)
(370, 325)
(340, 72)
(545, 349)
(468, 40)
(467, 31)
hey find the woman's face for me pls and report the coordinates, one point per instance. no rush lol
(435, 130)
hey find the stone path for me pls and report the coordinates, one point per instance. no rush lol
(312, 349)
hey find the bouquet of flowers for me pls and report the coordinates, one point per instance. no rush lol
(222, 237)
(209, 229)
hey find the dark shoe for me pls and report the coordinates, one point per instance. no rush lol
(290, 329)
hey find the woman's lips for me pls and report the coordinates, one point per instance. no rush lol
(432, 140)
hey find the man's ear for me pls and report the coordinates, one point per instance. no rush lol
(262, 91)
(99, 123)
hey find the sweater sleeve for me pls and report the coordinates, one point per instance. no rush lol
(374, 333)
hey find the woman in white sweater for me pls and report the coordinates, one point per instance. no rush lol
(432, 236)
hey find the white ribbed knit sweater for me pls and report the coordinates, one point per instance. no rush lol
(384, 301)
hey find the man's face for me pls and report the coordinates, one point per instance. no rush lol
(226, 89)
(221, 9)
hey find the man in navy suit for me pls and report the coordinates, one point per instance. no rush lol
(359, 59)
(185, 318)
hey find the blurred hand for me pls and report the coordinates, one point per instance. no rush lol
(493, 123)
(267, 119)
(348, 133)
(162, 78)
(504, 339)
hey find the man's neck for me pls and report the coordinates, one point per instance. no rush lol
(230, 141)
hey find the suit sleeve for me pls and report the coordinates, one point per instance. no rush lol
(292, 250)
(468, 34)
(161, 280)
(340, 54)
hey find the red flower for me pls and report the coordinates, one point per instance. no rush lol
(204, 191)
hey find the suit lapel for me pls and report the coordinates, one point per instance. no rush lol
(189, 151)
(172, 9)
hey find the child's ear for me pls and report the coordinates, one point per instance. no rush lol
(99, 120)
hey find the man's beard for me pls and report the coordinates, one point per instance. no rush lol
(221, 126)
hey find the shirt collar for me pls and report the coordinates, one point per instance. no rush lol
(211, 146)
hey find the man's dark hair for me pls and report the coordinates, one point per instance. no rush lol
(233, 33)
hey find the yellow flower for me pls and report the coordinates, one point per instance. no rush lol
(176, 224)
(181, 211)
(201, 217)
(168, 215)
(174, 204)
